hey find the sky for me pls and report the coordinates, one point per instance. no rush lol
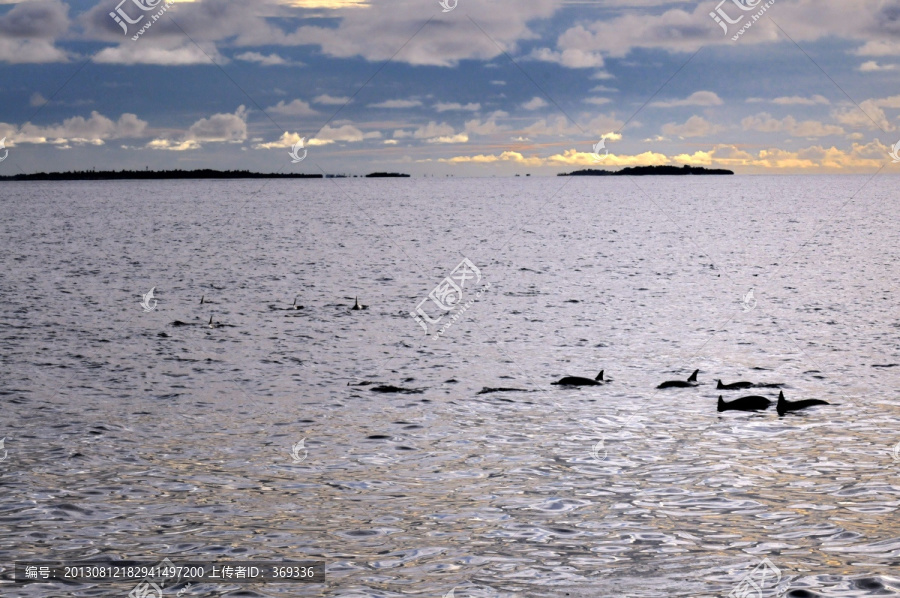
(463, 88)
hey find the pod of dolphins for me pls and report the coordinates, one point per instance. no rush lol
(748, 403)
(357, 306)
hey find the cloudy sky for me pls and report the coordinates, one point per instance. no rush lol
(472, 88)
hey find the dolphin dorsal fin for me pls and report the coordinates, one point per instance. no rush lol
(719, 385)
(693, 377)
(210, 320)
(599, 377)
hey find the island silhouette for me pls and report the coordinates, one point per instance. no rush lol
(648, 170)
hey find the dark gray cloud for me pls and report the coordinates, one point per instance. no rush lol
(46, 19)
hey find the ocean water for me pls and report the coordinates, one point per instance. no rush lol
(128, 436)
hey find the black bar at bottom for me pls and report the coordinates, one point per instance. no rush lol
(167, 572)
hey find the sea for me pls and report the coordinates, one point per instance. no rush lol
(419, 447)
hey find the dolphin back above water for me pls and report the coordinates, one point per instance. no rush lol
(751, 403)
(733, 385)
(692, 381)
(579, 381)
(785, 406)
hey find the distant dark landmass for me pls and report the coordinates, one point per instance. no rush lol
(383, 175)
(109, 175)
(648, 170)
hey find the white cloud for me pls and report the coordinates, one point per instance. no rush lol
(867, 116)
(294, 108)
(695, 126)
(560, 126)
(28, 31)
(535, 103)
(445, 107)
(859, 158)
(396, 104)
(331, 100)
(764, 122)
(891, 102)
(698, 98)
(458, 138)
(873, 66)
(879, 47)
(597, 101)
(328, 135)
(218, 128)
(488, 126)
(432, 130)
(23, 51)
(568, 158)
(177, 53)
(347, 133)
(173, 146)
(286, 140)
(802, 101)
(377, 31)
(263, 60)
(79, 130)
(571, 57)
(331, 4)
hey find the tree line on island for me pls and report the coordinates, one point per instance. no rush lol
(648, 170)
(205, 173)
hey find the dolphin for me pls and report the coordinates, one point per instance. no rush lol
(692, 381)
(357, 306)
(733, 385)
(785, 406)
(579, 381)
(751, 403)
